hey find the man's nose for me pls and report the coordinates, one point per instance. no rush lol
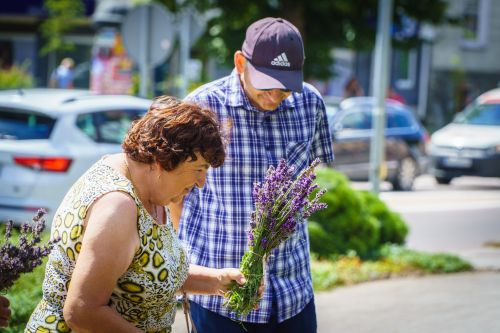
(277, 96)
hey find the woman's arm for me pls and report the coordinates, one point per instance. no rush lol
(108, 248)
(211, 281)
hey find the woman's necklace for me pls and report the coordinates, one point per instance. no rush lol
(154, 208)
(155, 213)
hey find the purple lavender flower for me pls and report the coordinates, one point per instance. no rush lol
(281, 203)
(27, 255)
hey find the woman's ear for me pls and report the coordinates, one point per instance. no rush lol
(157, 169)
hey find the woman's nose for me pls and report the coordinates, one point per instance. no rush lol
(202, 177)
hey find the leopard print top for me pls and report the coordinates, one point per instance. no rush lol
(145, 294)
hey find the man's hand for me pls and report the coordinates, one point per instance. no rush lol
(4, 311)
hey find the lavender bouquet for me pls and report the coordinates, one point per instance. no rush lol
(281, 203)
(26, 256)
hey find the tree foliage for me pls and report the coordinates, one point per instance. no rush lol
(324, 24)
(62, 17)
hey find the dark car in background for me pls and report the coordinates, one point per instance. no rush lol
(350, 124)
(470, 145)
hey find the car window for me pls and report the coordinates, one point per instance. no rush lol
(357, 120)
(481, 114)
(107, 126)
(398, 120)
(24, 125)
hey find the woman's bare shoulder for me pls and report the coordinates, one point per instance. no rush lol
(112, 206)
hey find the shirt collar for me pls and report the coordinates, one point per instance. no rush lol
(236, 96)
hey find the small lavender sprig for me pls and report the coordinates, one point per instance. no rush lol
(27, 255)
(281, 203)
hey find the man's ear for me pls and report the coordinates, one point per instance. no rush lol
(239, 62)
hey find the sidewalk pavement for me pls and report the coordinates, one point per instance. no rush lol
(457, 303)
(462, 302)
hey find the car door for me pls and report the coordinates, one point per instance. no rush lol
(352, 133)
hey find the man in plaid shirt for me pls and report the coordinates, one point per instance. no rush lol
(274, 115)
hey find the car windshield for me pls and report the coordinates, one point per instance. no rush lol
(360, 117)
(108, 126)
(22, 125)
(480, 114)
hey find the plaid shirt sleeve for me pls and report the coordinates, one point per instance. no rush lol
(322, 146)
(215, 219)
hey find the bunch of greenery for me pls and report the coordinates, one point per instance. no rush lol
(354, 220)
(22, 265)
(282, 203)
(25, 255)
(24, 296)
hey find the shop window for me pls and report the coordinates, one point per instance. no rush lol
(474, 24)
(406, 70)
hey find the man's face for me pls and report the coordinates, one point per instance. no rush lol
(264, 100)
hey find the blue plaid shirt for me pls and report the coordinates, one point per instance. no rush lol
(215, 219)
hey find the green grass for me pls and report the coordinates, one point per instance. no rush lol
(395, 261)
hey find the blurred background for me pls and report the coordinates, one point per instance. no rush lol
(441, 166)
(444, 53)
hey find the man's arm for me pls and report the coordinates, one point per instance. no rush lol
(322, 145)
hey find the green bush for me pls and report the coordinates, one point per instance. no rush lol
(392, 227)
(354, 220)
(15, 77)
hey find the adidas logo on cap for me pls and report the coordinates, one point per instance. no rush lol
(281, 60)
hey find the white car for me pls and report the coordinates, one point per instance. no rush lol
(470, 145)
(49, 137)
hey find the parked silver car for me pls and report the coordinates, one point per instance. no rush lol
(470, 145)
(49, 137)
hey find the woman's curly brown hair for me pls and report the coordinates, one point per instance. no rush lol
(172, 132)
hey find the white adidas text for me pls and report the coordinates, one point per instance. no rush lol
(281, 60)
(280, 63)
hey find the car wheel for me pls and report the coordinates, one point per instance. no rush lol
(443, 180)
(405, 175)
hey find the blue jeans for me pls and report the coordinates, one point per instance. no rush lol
(207, 321)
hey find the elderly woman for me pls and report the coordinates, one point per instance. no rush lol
(118, 263)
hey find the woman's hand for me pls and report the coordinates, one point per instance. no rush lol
(228, 275)
(225, 278)
(4, 311)
(212, 281)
